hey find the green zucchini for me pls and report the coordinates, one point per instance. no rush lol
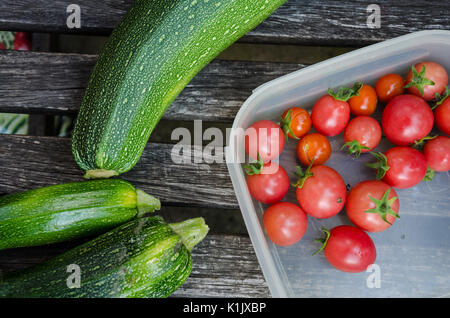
(66, 211)
(158, 47)
(145, 257)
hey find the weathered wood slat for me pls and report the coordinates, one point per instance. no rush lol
(54, 83)
(329, 22)
(223, 266)
(29, 162)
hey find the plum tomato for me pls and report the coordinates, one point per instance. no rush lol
(372, 205)
(348, 248)
(295, 122)
(267, 183)
(437, 153)
(362, 134)
(406, 119)
(264, 138)
(400, 167)
(321, 191)
(389, 86)
(313, 148)
(365, 102)
(331, 113)
(285, 223)
(442, 115)
(426, 79)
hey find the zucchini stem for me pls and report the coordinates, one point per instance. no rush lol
(146, 203)
(100, 174)
(192, 231)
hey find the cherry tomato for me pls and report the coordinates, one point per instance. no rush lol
(349, 249)
(313, 147)
(22, 41)
(437, 153)
(329, 116)
(321, 191)
(372, 205)
(426, 79)
(270, 185)
(401, 167)
(295, 121)
(442, 116)
(285, 223)
(407, 118)
(389, 86)
(365, 103)
(264, 138)
(362, 134)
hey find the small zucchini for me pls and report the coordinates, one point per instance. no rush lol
(67, 211)
(145, 257)
(156, 50)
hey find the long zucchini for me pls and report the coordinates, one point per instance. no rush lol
(143, 258)
(66, 211)
(158, 47)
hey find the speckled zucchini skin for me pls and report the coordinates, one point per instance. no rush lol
(142, 258)
(150, 57)
(66, 211)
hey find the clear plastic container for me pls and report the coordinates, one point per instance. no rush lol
(413, 256)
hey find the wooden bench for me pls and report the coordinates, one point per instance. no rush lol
(48, 83)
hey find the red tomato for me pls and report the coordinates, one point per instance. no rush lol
(285, 223)
(437, 153)
(329, 116)
(295, 122)
(407, 118)
(362, 134)
(314, 147)
(442, 116)
(349, 249)
(402, 167)
(426, 79)
(321, 192)
(22, 41)
(365, 103)
(389, 86)
(270, 185)
(264, 138)
(372, 205)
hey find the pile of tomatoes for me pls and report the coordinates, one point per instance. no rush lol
(413, 106)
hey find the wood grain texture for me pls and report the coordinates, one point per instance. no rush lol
(223, 266)
(30, 162)
(325, 22)
(54, 83)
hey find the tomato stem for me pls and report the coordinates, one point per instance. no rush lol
(419, 80)
(354, 148)
(429, 176)
(285, 124)
(383, 207)
(254, 167)
(381, 165)
(302, 176)
(345, 93)
(418, 144)
(324, 240)
(441, 98)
